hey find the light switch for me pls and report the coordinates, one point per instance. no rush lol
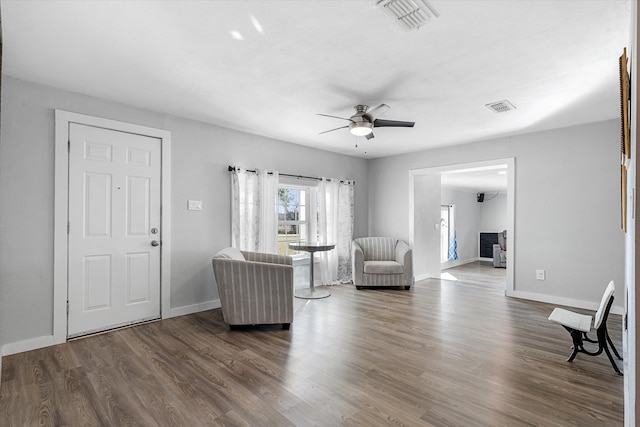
(195, 205)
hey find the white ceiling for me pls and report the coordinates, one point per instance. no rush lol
(488, 179)
(556, 61)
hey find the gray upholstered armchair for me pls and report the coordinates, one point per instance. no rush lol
(381, 261)
(255, 288)
(500, 251)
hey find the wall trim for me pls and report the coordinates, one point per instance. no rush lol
(567, 302)
(422, 277)
(457, 263)
(49, 340)
(194, 308)
(61, 201)
(27, 345)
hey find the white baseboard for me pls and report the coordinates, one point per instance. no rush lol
(567, 302)
(444, 266)
(48, 340)
(193, 308)
(27, 345)
(422, 277)
(456, 263)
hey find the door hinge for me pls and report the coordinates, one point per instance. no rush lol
(68, 146)
(68, 227)
(67, 308)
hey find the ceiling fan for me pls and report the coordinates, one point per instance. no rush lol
(364, 120)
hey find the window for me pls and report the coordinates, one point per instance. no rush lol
(296, 218)
(448, 250)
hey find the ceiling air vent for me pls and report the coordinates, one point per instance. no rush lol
(500, 106)
(409, 14)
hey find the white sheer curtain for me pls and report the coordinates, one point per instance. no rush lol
(254, 215)
(335, 226)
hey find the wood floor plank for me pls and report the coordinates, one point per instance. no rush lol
(449, 352)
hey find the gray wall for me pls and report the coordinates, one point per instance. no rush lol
(200, 156)
(493, 213)
(567, 205)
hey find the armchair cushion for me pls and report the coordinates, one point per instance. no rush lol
(378, 248)
(230, 253)
(382, 267)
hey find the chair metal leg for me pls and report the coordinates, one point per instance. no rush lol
(613, 347)
(587, 339)
(573, 354)
(576, 336)
(613, 363)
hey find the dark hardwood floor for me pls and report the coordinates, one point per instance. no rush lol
(445, 353)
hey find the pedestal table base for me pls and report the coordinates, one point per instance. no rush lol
(312, 293)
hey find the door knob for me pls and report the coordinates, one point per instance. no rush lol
(155, 243)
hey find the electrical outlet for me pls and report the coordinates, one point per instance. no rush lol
(540, 275)
(194, 205)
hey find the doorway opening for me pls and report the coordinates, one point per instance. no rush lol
(450, 206)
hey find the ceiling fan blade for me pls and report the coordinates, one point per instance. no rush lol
(392, 123)
(376, 112)
(369, 136)
(331, 130)
(335, 117)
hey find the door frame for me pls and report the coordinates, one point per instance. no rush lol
(63, 119)
(511, 172)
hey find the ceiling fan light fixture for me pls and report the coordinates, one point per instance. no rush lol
(360, 128)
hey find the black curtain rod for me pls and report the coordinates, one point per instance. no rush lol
(233, 168)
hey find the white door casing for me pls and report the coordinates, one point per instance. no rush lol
(63, 123)
(114, 218)
(426, 231)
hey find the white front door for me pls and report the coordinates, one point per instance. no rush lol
(114, 229)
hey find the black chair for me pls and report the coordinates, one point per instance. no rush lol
(578, 325)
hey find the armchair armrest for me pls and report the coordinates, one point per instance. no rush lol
(404, 255)
(267, 258)
(499, 256)
(230, 273)
(357, 260)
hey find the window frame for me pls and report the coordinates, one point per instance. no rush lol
(449, 226)
(311, 210)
